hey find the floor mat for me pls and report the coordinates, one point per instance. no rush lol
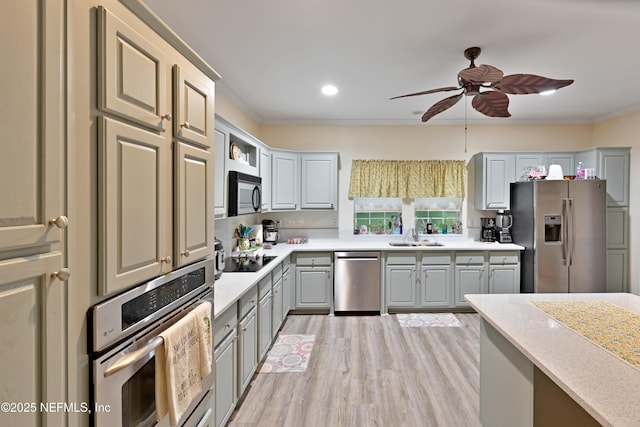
(290, 353)
(428, 320)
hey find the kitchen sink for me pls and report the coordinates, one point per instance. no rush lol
(415, 244)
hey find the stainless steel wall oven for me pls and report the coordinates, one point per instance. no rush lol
(124, 333)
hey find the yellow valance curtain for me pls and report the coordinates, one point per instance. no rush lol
(407, 178)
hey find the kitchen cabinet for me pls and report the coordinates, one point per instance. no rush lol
(226, 365)
(242, 150)
(504, 273)
(265, 334)
(493, 174)
(287, 286)
(278, 303)
(285, 180)
(155, 198)
(525, 161)
(565, 160)
(617, 270)
(319, 180)
(247, 348)
(436, 290)
(220, 175)
(265, 174)
(314, 280)
(470, 276)
(400, 280)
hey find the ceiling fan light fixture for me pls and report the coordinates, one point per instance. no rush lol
(329, 90)
(548, 92)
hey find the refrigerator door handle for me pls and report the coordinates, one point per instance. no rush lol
(572, 232)
(565, 233)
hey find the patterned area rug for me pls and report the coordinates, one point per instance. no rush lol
(290, 353)
(428, 320)
(605, 324)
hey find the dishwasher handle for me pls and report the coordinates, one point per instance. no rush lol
(352, 255)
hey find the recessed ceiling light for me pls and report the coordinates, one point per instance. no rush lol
(547, 92)
(329, 90)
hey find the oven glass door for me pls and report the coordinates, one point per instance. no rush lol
(249, 198)
(139, 406)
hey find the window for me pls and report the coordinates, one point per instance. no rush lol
(442, 213)
(377, 215)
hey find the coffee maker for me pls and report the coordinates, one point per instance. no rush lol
(269, 231)
(488, 233)
(504, 221)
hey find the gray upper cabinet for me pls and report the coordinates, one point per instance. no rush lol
(565, 160)
(220, 176)
(493, 174)
(613, 165)
(193, 106)
(319, 180)
(265, 174)
(285, 178)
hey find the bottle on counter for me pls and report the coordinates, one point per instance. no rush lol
(429, 227)
(580, 171)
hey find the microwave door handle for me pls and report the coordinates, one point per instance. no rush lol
(131, 358)
(257, 202)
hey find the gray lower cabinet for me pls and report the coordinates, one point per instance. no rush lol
(314, 280)
(226, 360)
(247, 349)
(436, 280)
(617, 268)
(276, 307)
(287, 287)
(400, 283)
(504, 272)
(470, 276)
(264, 324)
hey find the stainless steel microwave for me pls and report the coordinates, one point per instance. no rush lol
(245, 194)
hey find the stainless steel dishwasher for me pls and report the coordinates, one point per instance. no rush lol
(356, 282)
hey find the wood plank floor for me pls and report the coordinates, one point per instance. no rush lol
(368, 371)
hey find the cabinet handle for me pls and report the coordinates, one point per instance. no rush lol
(244, 329)
(252, 301)
(186, 253)
(185, 125)
(60, 222)
(166, 117)
(62, 274)
(331, 205)
(166, 260)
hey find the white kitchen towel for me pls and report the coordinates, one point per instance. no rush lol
(202, 316)
(178, 369)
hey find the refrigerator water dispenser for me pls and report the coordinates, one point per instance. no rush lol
(553, 228)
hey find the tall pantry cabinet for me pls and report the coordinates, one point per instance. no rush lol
(33, 218)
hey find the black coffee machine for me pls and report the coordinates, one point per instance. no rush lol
(488, 233)
(269, 231)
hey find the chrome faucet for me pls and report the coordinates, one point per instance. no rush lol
(413, 232)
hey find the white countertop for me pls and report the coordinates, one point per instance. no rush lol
(231, 286)
(604, 385)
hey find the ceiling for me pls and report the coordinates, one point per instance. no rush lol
(275, 55)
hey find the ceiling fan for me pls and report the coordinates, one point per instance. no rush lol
(489, 87)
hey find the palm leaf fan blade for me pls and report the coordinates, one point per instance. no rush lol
(491, 104)
(523, 84)
(441, 106)
(426, 92)
(481, 74)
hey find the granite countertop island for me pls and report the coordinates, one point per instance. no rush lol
(528, 356)
(231, 286)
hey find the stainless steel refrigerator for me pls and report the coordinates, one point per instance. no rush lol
(562, 225)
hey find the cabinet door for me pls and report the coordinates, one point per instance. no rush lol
(264, 324)
(617, 270)
(194, 219)
(504, 279)
(313, 287)
(132, 72)
(193, 105)
(617, 228)
(437, 289)
(32, 124)
(287, 287)
(493, 175)
(526, 161)
(226, 378)
(134, 205)
(278, 302)
(565, 160)
(285, 173)
(33, 330)
(319, 181)
(248, 349)
(220, 174)
(265, 174)
(469, 280)
(400, 282)
(613, 165)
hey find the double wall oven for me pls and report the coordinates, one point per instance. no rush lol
(124, 334)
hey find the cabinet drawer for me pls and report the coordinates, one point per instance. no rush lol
(224, 324)
(503, 258)
(248, 301)
(436, 259)
(470, 258)
(402, 258)
(264, 286)
(314, 258)
(276, 273)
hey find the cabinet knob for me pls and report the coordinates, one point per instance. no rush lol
(62, 274)
(228, 325)
(166, 117)
(60, 222)
(166, 260)
(186, 253)
(185, 125)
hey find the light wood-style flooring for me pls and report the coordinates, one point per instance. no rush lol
(368, 371)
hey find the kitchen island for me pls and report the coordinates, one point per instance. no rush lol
(534, 370)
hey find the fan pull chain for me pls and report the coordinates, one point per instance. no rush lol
(465, 126)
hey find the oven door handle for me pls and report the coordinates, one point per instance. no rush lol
(133, 357)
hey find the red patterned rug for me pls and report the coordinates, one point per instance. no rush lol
(427, 320)
(290, 353)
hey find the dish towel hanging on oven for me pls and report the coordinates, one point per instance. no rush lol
(179, 364)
